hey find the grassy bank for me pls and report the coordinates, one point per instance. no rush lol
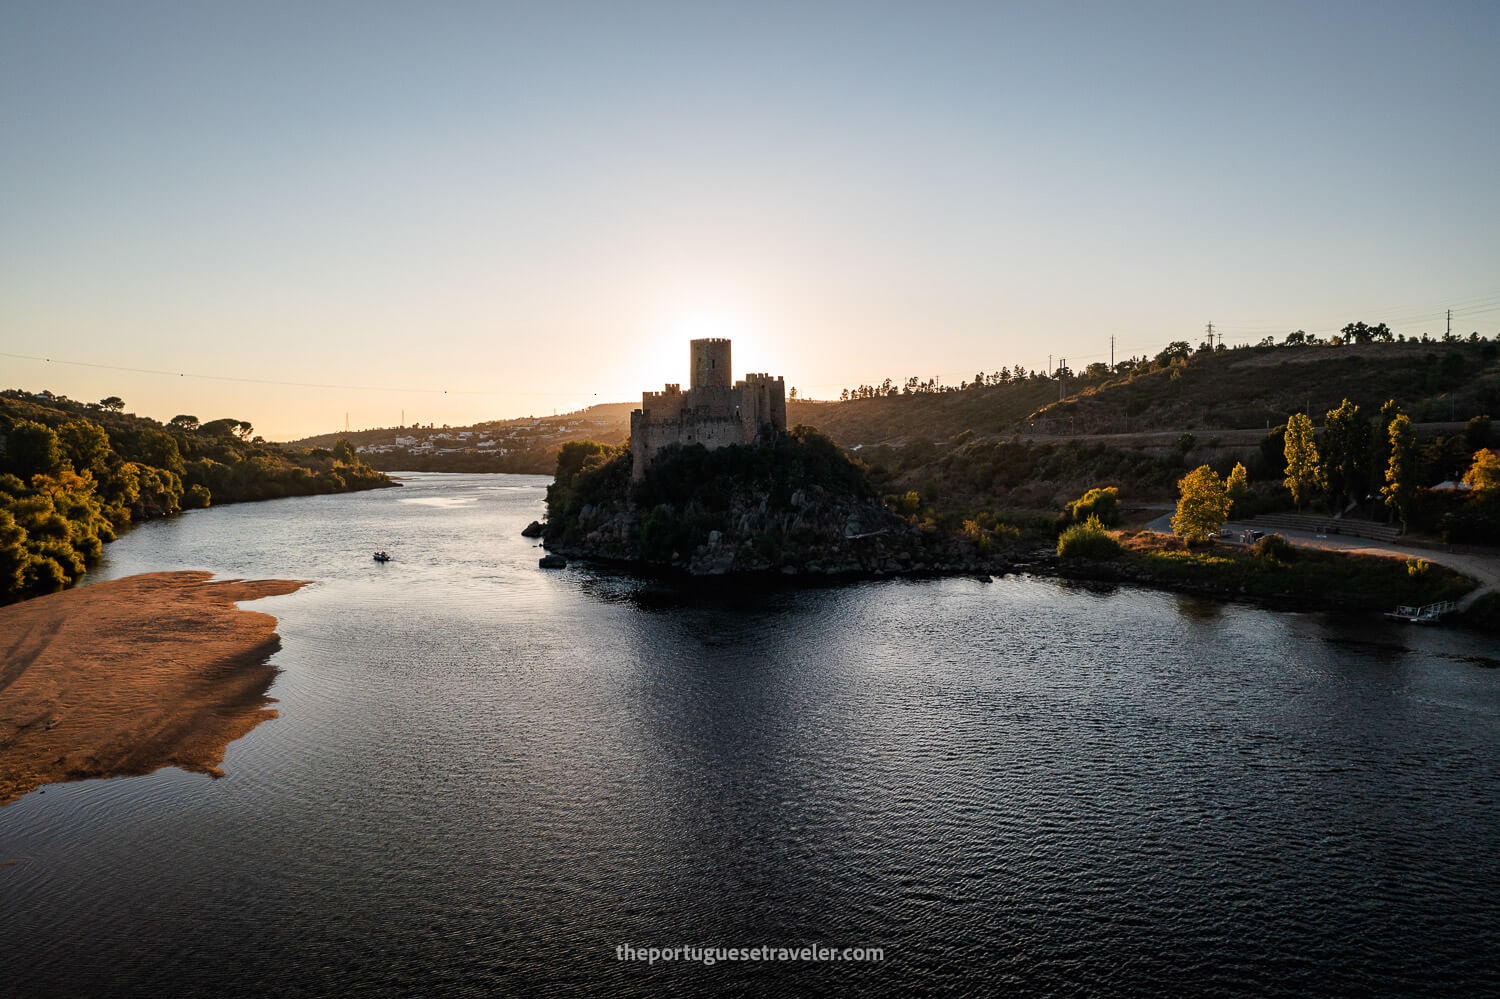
(1311, 579)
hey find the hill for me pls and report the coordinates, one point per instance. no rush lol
(524, 445)
(1259, 387)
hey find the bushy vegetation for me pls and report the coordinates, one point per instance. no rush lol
(689, 491)
(72, 475)
(1089, 540)
(1273, 550)
(1099, 503)
(1250, 386)
(799, 459)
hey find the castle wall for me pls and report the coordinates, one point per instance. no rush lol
(713, 412)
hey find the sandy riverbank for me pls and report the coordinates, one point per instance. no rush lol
(128, 676)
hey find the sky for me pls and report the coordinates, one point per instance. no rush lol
(466, 211)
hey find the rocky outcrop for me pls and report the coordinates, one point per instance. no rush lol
(814, 533)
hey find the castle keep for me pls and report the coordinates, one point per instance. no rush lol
(713, 411)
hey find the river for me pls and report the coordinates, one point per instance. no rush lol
(486, 778)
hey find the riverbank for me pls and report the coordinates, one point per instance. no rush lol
(1301, 579)
(126, 677)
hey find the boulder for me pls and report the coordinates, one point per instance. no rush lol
(552, 562)
(532, 530)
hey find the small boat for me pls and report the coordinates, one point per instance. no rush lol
(382, 557)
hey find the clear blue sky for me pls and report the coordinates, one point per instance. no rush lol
(541, 202)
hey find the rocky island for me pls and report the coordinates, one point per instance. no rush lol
(713, 483)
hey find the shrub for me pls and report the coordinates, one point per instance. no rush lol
(1274, 550)
(1088, 540)
(1417, 567)
(1103, 503)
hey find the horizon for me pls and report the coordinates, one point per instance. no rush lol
(474, 214)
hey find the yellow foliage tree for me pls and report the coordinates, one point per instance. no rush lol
(1202, 506)
(1484, 475)
(1304, 470)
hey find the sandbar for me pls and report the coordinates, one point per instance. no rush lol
(131, 675)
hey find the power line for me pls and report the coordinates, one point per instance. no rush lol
(274, 381)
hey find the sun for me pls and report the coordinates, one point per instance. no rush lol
(669, 357)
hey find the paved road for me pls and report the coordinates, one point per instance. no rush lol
(1482, 567)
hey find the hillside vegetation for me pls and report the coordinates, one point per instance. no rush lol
(72, 474)
(1259, 387)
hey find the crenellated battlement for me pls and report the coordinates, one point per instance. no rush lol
(715, 411)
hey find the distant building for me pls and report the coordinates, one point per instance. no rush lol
(714, 411)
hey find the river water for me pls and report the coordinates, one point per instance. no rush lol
(487, 777)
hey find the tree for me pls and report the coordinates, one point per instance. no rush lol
(1401, 473)
(220, 428)
(1360, 333)
(1483, 477)
(1304, 474)
(1238, 484)
(32, 449)
(86, 445)
(1202, 505)
(13, 557)
(114, 404)
(1346, 453)
(182, 421)
(1177, 350)
(1477, 432)
(344, 451)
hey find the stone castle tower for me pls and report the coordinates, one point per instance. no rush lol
(714, 411)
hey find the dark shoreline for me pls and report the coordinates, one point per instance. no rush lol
(1042, 564)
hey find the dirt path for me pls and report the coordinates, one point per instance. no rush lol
(132, 675)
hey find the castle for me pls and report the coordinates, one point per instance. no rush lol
(713, 411)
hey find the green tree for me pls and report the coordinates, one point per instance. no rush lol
(86, 445)
(225, 427)
(1304, 474)
(13, 557)
(1202, 505)
(160, 450)
(1346, 453)
(32, 449)
(1360, 333)
(344, 451)
(113, 404)
(1401, 473)
(183, 421)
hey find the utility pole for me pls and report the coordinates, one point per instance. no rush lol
(346, 421)
(1210, 336)
(1450, 322)
(1111, 353)
(1062, 382)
